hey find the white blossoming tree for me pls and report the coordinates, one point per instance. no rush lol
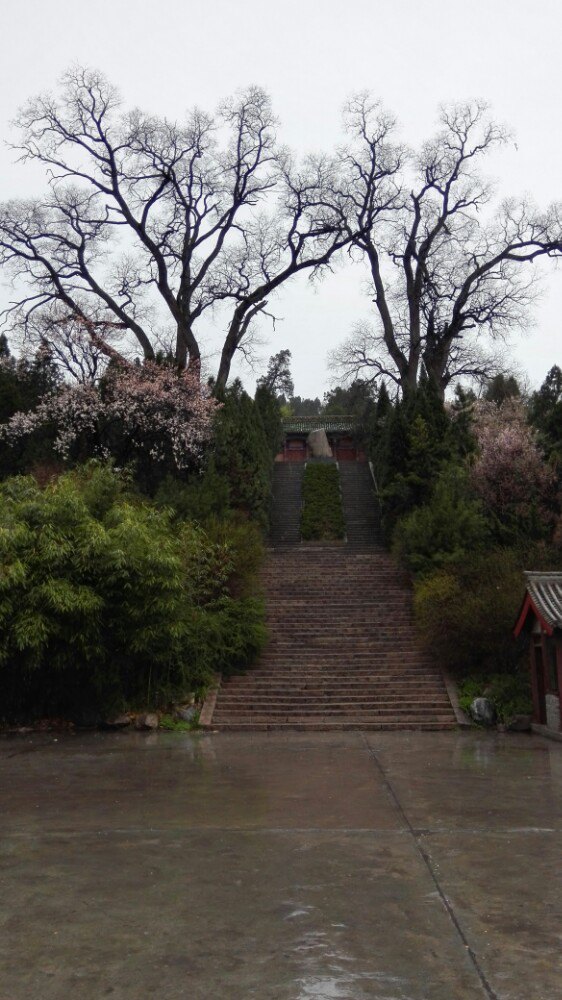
(152, 413)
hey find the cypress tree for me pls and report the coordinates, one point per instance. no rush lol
(241, 453)
(267, 405)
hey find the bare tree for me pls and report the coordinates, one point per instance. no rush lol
(80, 351)
(441, 274)
(364, 355)
(147, 217)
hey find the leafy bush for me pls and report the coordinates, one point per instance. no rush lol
(510, 693)
(204, 500)
(322, 515)
(443, 530)
(466, 612)
(244, 542)
(205, 494)
(105, 603)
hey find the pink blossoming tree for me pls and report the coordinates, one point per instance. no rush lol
(510, 473)
(151, 412)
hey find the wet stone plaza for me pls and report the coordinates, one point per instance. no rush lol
(391, 866)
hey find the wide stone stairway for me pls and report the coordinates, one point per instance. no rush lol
(342, 651)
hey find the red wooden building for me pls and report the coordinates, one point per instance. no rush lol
(342, 434)
(541, 617)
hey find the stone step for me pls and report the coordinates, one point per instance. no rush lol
(315, 707)
(342, 650)
(341, 667)
(391, 686)
(380, 696)
(334, 725)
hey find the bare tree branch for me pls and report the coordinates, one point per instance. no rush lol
(142, 212)
(442, 271)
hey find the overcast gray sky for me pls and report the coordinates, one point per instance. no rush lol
(310, 55)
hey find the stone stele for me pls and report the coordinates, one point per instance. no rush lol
(318, 443)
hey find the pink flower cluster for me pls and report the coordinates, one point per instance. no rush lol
(159, 409)
(510, 474)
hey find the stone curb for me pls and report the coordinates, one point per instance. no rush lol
(207, 712)
(550, 734)
(453, 692)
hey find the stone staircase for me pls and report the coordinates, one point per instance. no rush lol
(286, 503)
(342, 650)
(359, 503)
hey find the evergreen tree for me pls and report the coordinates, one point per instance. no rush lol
(356, 400)
(23, 384)
(411, 442)
(545, 413)
(278, 378)
(383, 403)
(269, 409)
(303, 407)
(501, 387)
(241, 453)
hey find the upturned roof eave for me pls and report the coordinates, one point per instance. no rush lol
(527, 608)
(543, 597)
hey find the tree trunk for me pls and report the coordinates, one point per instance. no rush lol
(227, 355)
(187, 353)
(435, 363)
(243, 316)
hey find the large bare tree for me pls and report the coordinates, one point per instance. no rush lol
(446, 270)
(148, 222)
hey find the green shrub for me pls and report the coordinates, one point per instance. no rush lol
(466, 612)
(203, 495)
(443, 530)
(510, 693)
(229, 530)
(227, 634)
(105, 603)
(322, 514)
(244, 542)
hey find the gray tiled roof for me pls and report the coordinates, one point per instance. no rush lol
(545, 591)
(305, 424)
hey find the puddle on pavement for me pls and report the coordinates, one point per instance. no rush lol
(317, 951)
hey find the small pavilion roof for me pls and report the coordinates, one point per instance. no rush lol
(543, 598)
(300, 425)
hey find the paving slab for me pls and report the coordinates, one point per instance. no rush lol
(505, 891)
(200, 915)
(473, 780)
(98, 781)
(344, 866)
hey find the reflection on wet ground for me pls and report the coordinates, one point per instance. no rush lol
(342, 866)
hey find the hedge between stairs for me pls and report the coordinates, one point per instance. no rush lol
(322, 518)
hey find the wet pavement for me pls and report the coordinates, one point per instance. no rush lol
(392, 866)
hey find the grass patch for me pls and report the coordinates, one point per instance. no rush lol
(322, 517)
(173, 725)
